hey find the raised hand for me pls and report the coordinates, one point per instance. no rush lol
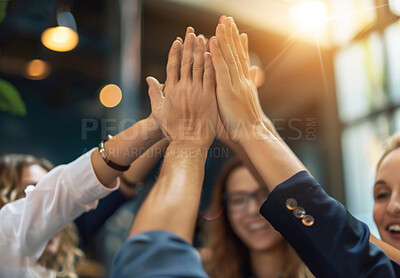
(237, 96)
(186, 106)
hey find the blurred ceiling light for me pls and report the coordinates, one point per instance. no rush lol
(110, 95)
(64, 36)
(311, 15)
(37, 69)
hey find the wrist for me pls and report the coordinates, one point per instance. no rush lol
(187, 150)
(254, 133)
(152, 128)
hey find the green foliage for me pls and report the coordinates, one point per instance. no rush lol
(3, 9)
(10, 99)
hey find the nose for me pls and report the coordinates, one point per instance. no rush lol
(253, 206)
(393, 207)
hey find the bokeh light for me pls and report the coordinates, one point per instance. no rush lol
(37, 69)
(110, 95)
(60, 38)
(311, 15)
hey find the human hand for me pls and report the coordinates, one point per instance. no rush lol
(186, 107)
(237, 95)
(256, 73)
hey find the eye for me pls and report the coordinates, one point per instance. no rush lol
(237, 200)
(382, 195)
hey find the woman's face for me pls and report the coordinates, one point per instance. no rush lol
(31, 175)
(243, 212)
(387, 199)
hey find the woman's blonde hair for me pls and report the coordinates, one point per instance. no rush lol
(68, 254)
(393, 143)
(230, 256)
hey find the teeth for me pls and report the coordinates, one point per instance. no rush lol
(257, 226)
(394, 228)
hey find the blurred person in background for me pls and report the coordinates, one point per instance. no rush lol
(20, 171)
(17, 172)
(30, 225)
(241, 241)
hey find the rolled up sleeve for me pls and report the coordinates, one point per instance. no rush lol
(61, 196)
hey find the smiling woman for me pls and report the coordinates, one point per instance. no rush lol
(242, 242)
(387, 193)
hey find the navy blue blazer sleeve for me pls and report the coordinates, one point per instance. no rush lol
(337, 244)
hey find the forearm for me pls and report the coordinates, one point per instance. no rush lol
(273, 130)
(390, 251)
(242, 155)
(142, 165)
(124, 148)
(273, 160)
(173, 203)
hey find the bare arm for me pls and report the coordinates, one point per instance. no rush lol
(241, 112)
(186, 110)
(141, 167)
(390, 251)
(124, 148)
(173, 203)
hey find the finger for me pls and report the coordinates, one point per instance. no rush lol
(221, 68)
(188, 56)
(228, 22)
(198, 65)
(221, 19)
(259, 76)
(155, 93)
(179, 39)
(174, 62)
(245, 44)
(253, 75)
(205, 40)
(208, 45)
(227, 54)
(209, 75)
(189, 30)
(240, 51)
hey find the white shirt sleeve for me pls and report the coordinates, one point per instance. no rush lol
(67, 191)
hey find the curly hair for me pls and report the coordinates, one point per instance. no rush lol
(392, 144)
(68, 254)
(230, 256)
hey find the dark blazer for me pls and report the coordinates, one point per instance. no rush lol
(330, 241)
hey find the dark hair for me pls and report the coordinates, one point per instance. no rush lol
(230, 256)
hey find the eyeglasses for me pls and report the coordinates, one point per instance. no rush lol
(238, 201)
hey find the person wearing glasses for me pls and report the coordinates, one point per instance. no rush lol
(241, 241)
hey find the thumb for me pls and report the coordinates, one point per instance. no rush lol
(253, 75)
(155, 93)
